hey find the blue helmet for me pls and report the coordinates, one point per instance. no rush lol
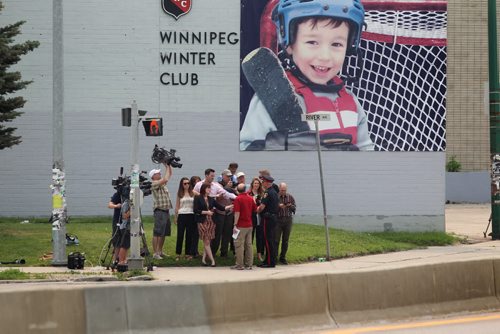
(287, 11)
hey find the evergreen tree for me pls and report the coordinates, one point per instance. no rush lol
(10, 82)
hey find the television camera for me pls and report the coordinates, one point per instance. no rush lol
(122, 184)
(162, 156)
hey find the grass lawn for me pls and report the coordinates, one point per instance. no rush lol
(31, 241)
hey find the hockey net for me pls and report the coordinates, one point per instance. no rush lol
(403, 83)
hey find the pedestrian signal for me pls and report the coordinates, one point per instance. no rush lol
(153, 126)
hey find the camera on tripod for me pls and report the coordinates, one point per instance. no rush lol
(122, 184)
(162, 156)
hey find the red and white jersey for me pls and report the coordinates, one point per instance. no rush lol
(344, 107)
(350, 116)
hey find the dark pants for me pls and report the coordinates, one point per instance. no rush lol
(185, 225)
(258, 234)
(283, 229)
(196, 239)
(223, 233)
(270, 239)
(115, 237)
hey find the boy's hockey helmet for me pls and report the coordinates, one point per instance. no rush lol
(287, 11)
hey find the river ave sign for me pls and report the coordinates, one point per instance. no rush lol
(315, 117)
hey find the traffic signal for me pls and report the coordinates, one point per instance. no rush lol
(126, 116)
(153, 126)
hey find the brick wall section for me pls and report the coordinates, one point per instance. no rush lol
(467, 119)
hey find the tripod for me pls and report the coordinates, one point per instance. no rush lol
(112, 264)
(488, 226)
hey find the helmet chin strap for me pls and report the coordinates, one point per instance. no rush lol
(330, 87)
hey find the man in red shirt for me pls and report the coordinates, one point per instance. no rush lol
(244, 206)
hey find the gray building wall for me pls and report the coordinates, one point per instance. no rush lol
(111, 55)
(468, 187)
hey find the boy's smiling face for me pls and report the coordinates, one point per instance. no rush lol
(319, 50)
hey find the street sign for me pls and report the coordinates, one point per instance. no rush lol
(315, 117)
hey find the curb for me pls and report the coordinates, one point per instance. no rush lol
(307, 302)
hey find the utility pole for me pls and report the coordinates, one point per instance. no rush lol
(494, 119)
(135, 261)
(59, 209)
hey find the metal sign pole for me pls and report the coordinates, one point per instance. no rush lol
(316, 118)
(325, 219)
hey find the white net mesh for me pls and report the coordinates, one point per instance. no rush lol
(403, 84)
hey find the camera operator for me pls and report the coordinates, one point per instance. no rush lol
(124, 229)
(115, 203)
(161, 206)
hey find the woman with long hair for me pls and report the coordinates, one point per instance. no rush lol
(196, 236)
(203, 207)
(194, 180)
(257, 192)
(184, 218)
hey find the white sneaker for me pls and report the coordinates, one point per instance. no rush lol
(157, 257)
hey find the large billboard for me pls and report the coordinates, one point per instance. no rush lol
(376, 69)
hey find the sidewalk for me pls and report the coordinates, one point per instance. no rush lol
(468, 220)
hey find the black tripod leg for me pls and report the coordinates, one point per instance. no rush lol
(103, 261)
(487, 227)
(147, 255)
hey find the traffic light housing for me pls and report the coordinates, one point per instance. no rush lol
(153, 126)
(126, 116)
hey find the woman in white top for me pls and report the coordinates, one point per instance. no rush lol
(184, 218)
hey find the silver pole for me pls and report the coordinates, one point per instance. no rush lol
(135, 261)
(322, 192)
(58, 178)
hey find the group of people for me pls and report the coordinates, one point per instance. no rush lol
(225, 213)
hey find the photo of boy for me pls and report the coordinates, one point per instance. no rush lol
(314, 38)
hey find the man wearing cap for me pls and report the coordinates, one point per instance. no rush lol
(161, 206)
(263, 172)
(269, 212)
(240, 178)
(224, 219)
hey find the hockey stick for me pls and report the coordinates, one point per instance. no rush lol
(266, 76)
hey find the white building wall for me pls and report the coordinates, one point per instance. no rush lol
(111, 57)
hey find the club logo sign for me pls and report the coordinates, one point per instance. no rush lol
(176, 8)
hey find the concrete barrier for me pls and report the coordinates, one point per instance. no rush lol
(306, 302)
(42, 311)
(413, 291)
(198, 307)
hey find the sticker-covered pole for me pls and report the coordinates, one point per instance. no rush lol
(58, 175)
(135, 261)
